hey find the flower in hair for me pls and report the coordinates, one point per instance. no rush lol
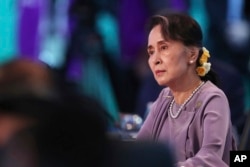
(204, 57)
(205, 66)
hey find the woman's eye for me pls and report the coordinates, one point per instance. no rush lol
(164, 47)
(150, 53)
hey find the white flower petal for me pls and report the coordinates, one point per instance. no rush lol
(207, 67)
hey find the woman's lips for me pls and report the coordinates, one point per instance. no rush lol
(159, 72)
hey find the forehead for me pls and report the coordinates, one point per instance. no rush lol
(156, 39)
(155, 33)
(155, 36)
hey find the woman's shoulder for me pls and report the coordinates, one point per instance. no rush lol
(211, 93)
(211, 89)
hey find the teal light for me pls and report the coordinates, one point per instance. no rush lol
(198, 12)
(8, 30)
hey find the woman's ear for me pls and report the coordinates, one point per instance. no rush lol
(193, 53)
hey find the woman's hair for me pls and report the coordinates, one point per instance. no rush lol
(183, 28)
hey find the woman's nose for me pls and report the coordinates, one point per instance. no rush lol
(157, 59)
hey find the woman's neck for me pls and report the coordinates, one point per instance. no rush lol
(182, 91)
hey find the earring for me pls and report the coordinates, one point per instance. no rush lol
(191, 61)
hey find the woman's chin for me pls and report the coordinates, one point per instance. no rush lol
(161, 83)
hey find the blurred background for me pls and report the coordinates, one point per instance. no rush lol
(99, 46)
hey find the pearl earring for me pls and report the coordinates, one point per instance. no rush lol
(191, 61)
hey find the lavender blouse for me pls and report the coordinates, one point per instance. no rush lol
(201, 135)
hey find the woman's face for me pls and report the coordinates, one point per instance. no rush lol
(168, 60)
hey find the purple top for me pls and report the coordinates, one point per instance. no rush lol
(201, 135)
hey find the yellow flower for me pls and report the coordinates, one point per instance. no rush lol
(205, 52)
(204, 57)
(201, 71)
(205, 66)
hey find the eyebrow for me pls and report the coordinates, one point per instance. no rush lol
(162, 42)
(158, 43)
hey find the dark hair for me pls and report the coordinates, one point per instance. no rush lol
(183, 28)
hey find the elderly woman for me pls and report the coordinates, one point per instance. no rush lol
(191, 114)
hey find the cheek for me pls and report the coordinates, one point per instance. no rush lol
(169, 61)
(175, 65)
(181, 66)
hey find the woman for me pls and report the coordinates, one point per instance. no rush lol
(192, 114)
